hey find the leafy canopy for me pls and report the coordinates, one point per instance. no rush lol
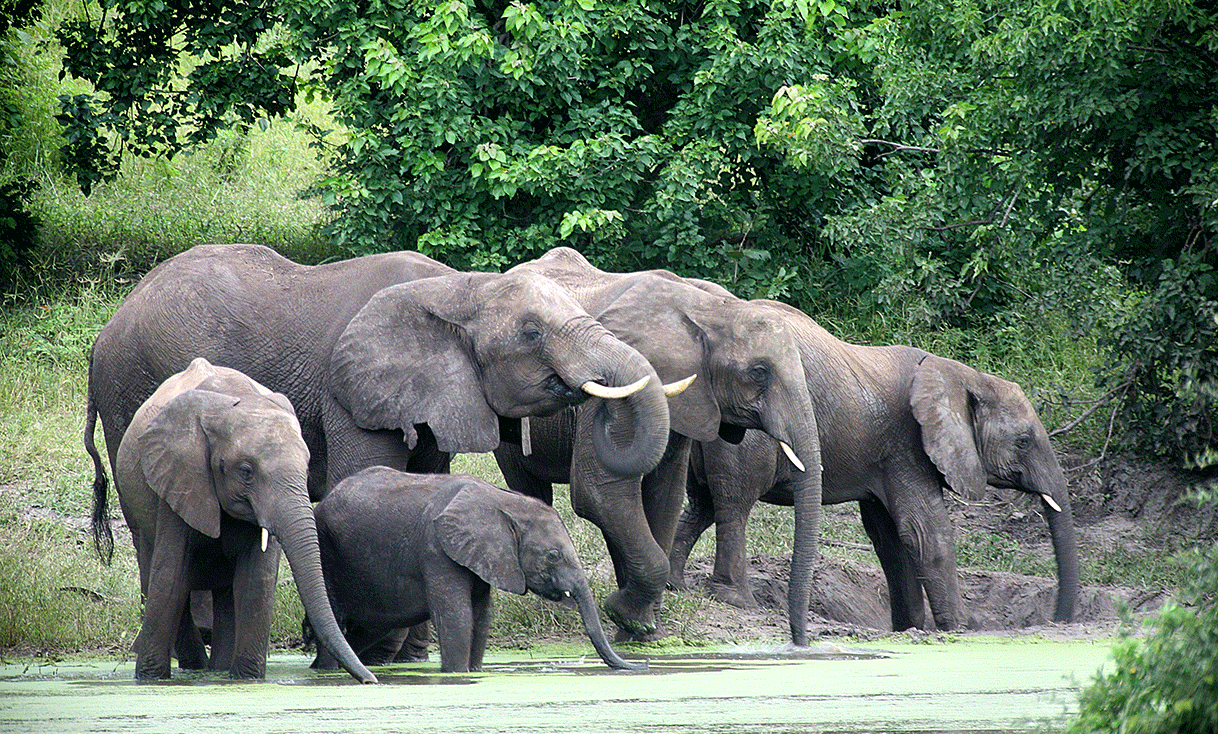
(970, 164)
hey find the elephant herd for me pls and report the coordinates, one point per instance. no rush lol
(250, 404)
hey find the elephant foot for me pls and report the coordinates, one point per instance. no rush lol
(637, 621)
(658, 633)
(677, 582)
(732, 595)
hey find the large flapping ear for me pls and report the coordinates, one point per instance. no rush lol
(941, 403)
(406, 359)
(476, 533)
(654, 315)
(175, 456)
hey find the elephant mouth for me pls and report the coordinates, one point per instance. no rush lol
(562, 392)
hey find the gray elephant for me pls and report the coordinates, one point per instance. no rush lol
(389, 359)
(212, 464)
(897, 424)
(399, 549)
(748, 375)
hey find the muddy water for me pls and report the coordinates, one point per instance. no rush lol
(988, 685)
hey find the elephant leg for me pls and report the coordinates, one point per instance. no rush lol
(413, 648)
(516, 474)
(925, 529)
(376, 645)
(639, 563)
(189, 646)
(450, 591)
(904, 590)
(697, 517)
(351, 448)
(664, 491)
(254, 577)
(729, 582)
(480, 628)
(223, 628)
(167, 596)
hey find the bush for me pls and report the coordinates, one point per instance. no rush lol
(1167, 681)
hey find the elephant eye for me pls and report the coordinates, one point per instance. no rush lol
(760, 374)
(553, 556)
(531, 333)
(246, 472)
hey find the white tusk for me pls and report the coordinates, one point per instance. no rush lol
(790, 452)
(674, 389)
(566, 594)
(598, 390)
(1049, 501)
(265, 537)
(526, 436)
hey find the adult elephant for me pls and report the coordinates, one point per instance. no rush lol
(896, 425)
(391, 359)
(748, 375)
(209, 459)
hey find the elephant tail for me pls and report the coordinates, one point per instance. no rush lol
(103, 536)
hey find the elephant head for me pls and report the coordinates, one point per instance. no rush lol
(230, 447)
(460, 352)
(979, 429)
(750, 375)
(519, 544)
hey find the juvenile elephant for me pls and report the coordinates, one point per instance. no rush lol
(399, 549)
(897, 424)
(390, 359)
(212, 464)
(748, 375)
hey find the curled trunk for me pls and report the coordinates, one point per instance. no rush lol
(596, 633)
(296, 531)
(630, 435)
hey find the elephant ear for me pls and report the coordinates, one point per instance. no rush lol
(476, 533)
(175, 456)
(654, 315)
(406, 359)
(942, 404)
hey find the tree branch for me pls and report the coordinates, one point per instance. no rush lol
(1122, 388)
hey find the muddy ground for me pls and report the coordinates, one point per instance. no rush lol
(1119, 505)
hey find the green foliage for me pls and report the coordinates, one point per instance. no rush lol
(487, 133)
(131, 52)
(1165, 356)
(1166, 681)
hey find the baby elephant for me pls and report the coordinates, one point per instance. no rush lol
(398, 549)
(211, 465)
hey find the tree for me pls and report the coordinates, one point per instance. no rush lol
(491, 131)
(967, 163)
(170, 74)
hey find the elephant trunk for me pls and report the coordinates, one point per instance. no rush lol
(1065, 543)
(596, 633)
(631, 434)
(792, 421)
(294, 526)
(807, 495)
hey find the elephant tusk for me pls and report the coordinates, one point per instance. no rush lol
(1050, 502)
(790, 452)
(265, 537)
(674, 389)
(598, 390)
(526, 436)
(566, 594)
